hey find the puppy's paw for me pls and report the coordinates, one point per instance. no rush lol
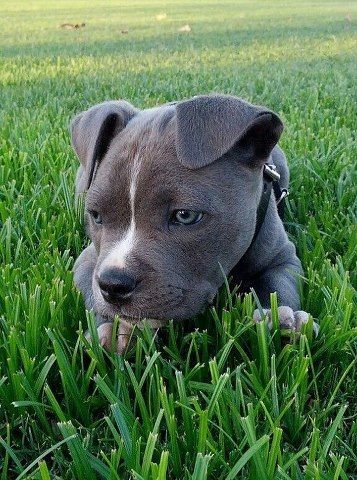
(288, 319)
(105, 334)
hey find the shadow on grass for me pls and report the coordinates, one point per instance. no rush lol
(214, 35)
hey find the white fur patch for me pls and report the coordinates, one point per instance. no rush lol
(133, 181)
(119, 253)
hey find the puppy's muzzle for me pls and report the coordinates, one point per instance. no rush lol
(116, 285)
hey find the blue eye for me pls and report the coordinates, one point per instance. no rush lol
(185, 217)
(97, 218)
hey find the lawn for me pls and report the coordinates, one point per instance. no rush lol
(216, 398)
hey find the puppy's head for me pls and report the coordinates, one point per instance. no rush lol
(171, 199)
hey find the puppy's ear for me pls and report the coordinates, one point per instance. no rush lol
(93, 130)
(210, 126)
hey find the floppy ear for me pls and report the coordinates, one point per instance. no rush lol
(209, 126)
(92, 132)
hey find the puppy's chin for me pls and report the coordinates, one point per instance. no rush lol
(140, 322)
(133, 318)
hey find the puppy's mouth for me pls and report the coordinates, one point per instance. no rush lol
(140, 321)
(135, 313)
(134, 318)
(132, 314)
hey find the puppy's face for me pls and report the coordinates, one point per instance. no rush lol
(164, 231)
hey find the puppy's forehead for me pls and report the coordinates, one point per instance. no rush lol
(146, 141)
(147, 145)
(151, 135)
(142, 165)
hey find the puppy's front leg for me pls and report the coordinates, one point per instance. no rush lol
(83, 274)
(271, 265)
(282, 279)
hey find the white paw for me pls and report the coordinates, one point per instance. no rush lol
(105, 333)
(288, 319)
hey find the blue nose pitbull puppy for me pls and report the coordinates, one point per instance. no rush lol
(174, 196)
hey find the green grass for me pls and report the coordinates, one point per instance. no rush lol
(221, 398)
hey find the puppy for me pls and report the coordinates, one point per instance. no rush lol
(177, 196)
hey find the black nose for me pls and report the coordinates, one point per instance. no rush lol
(116, 285)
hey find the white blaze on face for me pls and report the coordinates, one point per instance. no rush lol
(118, 254)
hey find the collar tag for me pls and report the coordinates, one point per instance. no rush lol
(271, 172)
(284, 193)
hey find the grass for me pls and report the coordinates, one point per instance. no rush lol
(219, 398)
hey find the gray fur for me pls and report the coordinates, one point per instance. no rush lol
(206, 153)
(208, 126)
(85, 128)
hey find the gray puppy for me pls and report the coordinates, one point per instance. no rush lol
(175, 196)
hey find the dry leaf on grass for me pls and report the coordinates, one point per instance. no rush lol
(185, 28)
(161, 16)
(72, 26)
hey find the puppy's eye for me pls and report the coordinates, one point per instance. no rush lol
(185, 217)
(97, 218)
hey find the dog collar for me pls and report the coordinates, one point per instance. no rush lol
(271, 179)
